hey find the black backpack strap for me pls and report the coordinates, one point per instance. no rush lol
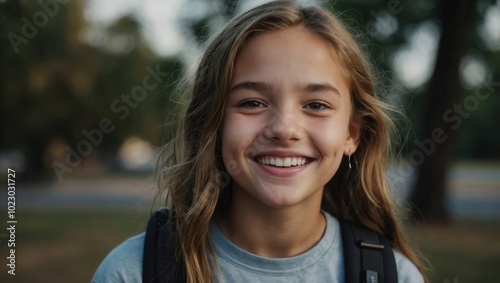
(159, 261)
(368, 257)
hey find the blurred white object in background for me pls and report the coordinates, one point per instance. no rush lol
(136, 154)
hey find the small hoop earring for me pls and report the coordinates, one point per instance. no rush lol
(349, 159)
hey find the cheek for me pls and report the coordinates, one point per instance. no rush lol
(236, 136)
(228, 140)
(330, 142)
(329, 138)
(228, 137)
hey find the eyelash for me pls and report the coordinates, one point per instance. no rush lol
(246, 104)
(258, 104)
(322, 106)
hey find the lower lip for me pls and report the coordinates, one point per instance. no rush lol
(282, 171)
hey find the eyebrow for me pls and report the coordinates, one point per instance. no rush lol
(249, 85)
(264, 87)
(319, 87)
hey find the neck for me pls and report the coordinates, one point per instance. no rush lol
(270, 231)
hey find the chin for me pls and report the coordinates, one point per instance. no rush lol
(284, 199)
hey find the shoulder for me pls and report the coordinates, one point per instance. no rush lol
(407, 271)
(123, 263)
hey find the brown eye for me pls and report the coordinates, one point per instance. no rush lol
(316, 106)
(251, 104)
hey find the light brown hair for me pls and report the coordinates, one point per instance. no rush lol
(192, 172)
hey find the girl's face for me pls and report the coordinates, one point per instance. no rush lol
(287, 119)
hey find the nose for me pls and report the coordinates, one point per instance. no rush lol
(284, 126)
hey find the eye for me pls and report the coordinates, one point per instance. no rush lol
(316, 106)
(251, 104)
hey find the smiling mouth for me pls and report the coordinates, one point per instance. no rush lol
(282, 161)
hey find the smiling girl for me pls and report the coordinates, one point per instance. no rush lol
(284, 106)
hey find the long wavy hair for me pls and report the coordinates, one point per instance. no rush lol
(191, 171)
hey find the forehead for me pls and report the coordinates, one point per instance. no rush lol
(290, 40)
(290, 55)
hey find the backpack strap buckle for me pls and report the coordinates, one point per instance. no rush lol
(371, 246)
(368, 257)
(371, 276)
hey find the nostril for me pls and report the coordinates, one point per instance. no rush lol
(269, 134)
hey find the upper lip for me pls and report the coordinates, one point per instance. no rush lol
(280, 153)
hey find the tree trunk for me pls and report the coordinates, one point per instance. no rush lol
(441, 116)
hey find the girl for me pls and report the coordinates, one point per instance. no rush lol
(283, 136)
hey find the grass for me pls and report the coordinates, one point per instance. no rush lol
(68, 246)
(468, 250)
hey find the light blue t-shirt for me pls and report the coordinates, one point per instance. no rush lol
(322, 263)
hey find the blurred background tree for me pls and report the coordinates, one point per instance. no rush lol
(438, 135)
(65, 79)
(55, 85)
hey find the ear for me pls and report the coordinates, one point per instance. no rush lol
(353, 135)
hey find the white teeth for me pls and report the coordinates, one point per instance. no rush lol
(281, 162)
(287, 162)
